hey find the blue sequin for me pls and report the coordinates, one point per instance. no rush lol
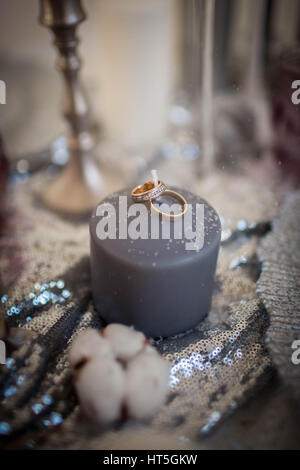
(21, 379)
(56, 418)
(37, 408)
(10, 362)
(9, 392)
(65, 293)
(42, 298)
(54, 298)
(47, 400)
(5, 428)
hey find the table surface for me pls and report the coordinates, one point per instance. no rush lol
(268, 418)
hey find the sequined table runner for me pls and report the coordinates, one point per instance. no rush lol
(215, 367)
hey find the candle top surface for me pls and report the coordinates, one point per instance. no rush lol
(118, 220)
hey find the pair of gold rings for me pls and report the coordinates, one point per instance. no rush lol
(148, 192)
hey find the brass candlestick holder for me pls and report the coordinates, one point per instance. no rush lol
(78, 187)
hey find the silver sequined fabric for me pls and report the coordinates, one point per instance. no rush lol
(215, 367)
(279, 289)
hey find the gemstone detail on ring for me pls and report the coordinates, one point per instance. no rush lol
(157, 191)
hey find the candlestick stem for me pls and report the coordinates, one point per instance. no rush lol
(77, 189)
(208, 151)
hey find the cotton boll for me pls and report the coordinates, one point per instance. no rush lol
(100, 386)
(88, 344)
(125, 342)
(146, 384)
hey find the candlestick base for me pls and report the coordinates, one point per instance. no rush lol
(76, 190)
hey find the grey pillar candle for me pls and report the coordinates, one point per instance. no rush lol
(156, 285)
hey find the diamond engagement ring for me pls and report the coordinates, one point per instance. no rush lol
(148, 191)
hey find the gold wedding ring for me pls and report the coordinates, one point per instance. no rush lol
(174, 195)
(148, 191)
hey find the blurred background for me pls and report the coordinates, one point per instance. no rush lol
(169, 84)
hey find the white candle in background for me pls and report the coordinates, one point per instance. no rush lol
(254, 72)
(285, 22)
(135, 68)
